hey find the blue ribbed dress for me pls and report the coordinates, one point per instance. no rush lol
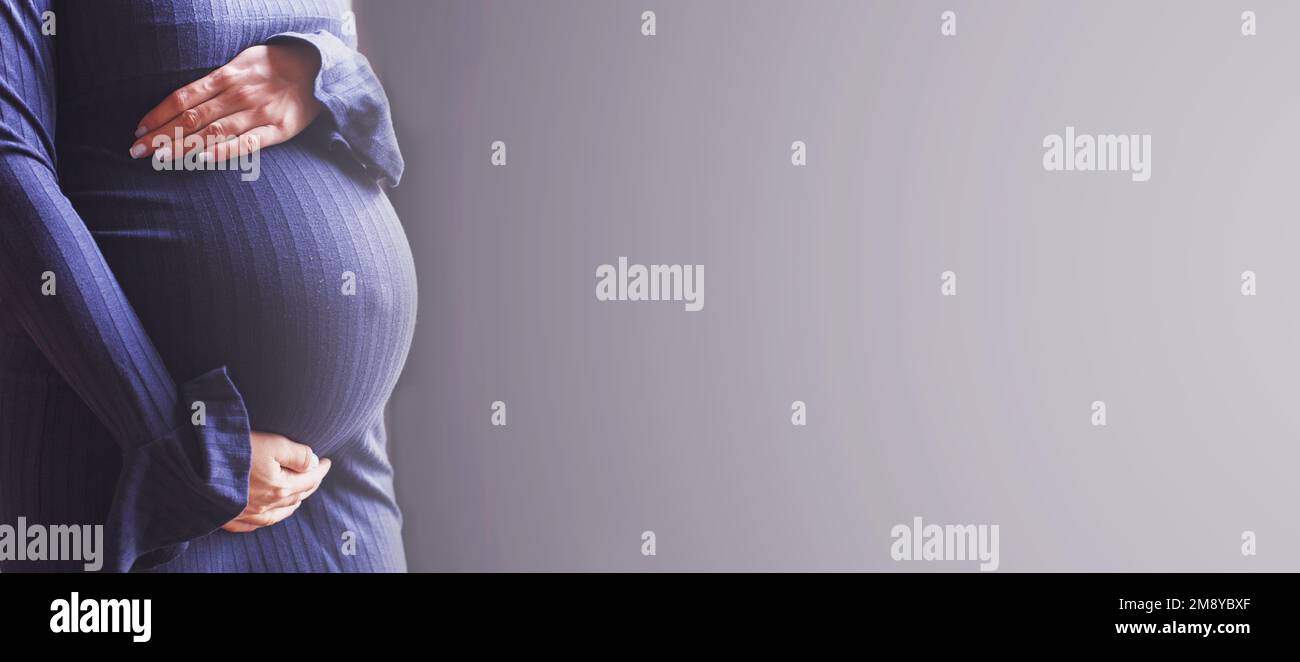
(284, 304)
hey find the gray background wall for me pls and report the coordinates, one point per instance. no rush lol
(823, 283)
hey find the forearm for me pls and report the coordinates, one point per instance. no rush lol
(181, 478)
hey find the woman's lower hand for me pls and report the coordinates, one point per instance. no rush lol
(263, 97)
(282, 473)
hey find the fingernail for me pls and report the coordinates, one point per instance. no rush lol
(314, 460)
(137, 150)
(141, 130)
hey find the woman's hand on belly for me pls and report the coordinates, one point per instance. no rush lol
(281, 475)
(263, 97)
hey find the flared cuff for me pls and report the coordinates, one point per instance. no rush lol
(356, 104)
(184, 485)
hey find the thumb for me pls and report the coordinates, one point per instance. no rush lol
(295, 456)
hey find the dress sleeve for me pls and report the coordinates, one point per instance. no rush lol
(182, 477)
(356, 105)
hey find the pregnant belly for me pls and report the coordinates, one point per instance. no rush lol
(300, 282)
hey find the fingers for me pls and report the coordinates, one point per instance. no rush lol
(292, 499)
(226, 129)
(307, 480)
(220, 118)
(253, 521)
(282, 474)
(305, 495)
(238, 526)
(292, 487)
(294, 456)
(264, 97)
(243, 146)
(182, 100)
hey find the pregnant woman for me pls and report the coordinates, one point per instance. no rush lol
(199, 357)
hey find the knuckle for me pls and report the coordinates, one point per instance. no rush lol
(190, 119)
(216, 129)
(181, 98)
(219, 78)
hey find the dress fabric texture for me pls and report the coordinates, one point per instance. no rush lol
(132, 298)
